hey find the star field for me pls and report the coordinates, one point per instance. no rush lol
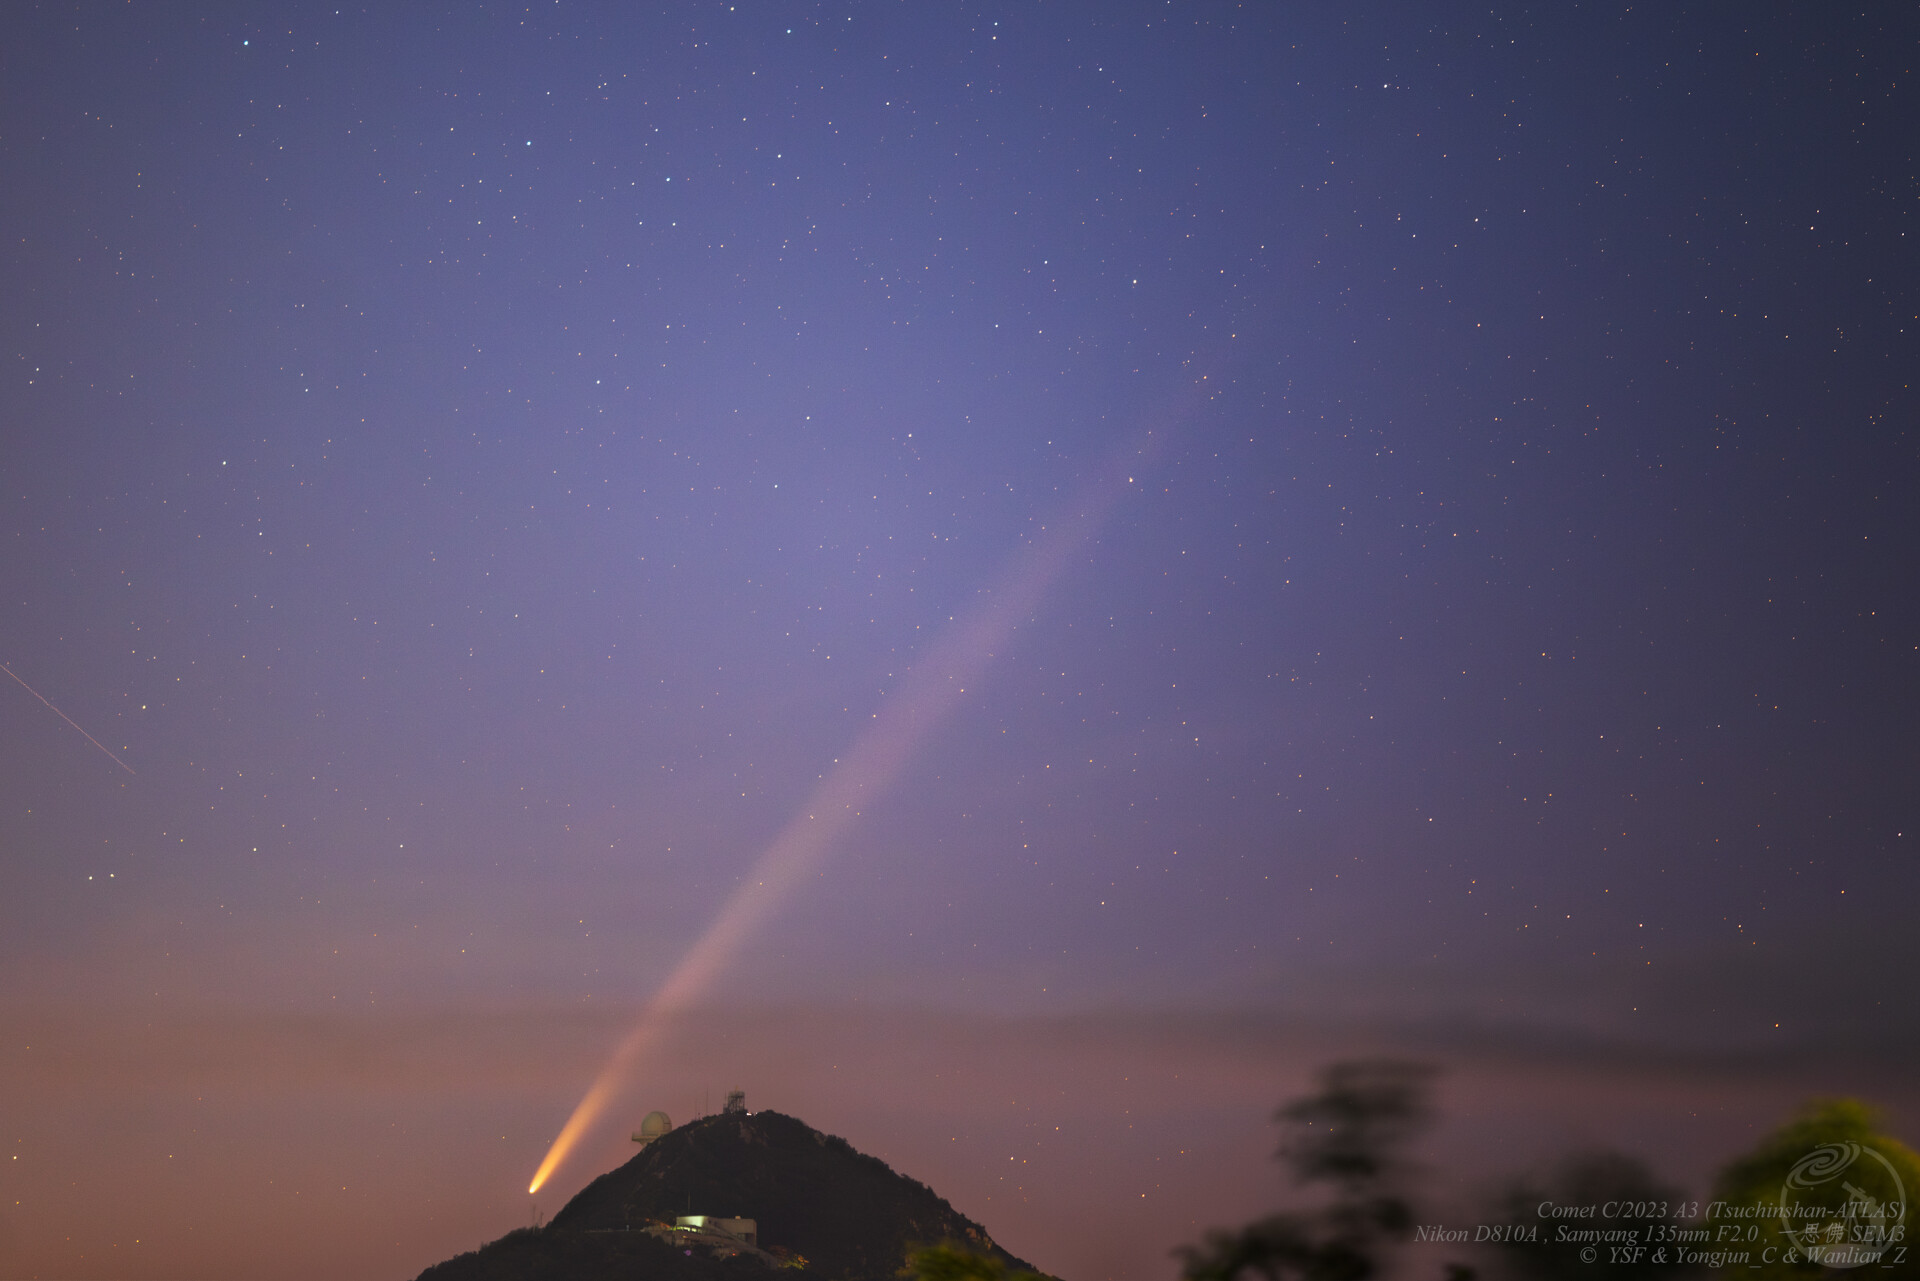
(482, 468)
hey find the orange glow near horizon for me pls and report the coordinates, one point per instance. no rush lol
(931, 690)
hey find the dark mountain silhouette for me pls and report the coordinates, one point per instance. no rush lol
(813, 1196)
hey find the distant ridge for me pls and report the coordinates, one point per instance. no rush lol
(846, 1213)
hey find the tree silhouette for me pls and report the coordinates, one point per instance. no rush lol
(1824, 1191)
(1643, 1206)
(951, 1261)
(1346, 1138)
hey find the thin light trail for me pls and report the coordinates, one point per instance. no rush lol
(68, 719)
(929, 694)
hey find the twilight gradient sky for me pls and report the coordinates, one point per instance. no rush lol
(482, 467)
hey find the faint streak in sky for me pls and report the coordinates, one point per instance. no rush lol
(68, 719)
(930, 692)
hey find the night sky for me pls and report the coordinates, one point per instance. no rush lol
(1388, 525)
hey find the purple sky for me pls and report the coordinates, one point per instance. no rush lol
(482, 468)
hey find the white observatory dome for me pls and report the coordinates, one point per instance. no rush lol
(652, 1127)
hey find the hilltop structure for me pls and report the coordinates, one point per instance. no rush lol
(652, 1127)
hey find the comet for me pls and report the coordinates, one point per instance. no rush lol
(68, 719)
(931, 691)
